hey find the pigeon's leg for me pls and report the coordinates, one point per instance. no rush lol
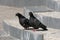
(34, 29)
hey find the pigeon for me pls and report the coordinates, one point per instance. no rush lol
(23, 20)
(35, 23)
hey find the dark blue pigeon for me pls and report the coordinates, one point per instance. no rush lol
(23, 20)
(35, 23)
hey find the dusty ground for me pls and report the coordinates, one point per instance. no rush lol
(5, 36)
(8, 13)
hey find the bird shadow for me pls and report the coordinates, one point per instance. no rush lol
(36, 29)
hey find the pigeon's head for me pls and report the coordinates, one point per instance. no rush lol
(30, 13)
(18, 14)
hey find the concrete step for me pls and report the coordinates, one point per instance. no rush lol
(16, 30)
(5, 36)
(53, 4)
(8, 38)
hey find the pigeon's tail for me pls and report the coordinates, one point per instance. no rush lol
(43, 27)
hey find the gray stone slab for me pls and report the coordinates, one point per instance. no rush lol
(51, 34)
(21, 3)
(8, 38)
(21, 33)
(35, 9)
(6, 28)
(5, 36)
(53, 4)
(16, 32)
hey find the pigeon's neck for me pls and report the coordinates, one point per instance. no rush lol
(32, 16)
(20, 17)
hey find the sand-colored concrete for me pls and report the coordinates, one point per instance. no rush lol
(52, 14)
(8, 13)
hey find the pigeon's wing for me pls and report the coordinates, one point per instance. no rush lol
(31, 21)
(36, 22)
(26, 21)
(22, 20)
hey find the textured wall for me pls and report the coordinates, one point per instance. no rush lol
(53, 4)
(8, 13)
(21, 3)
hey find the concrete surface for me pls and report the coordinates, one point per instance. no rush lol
(5, 36)
(53, 4)
(19, 32)
(35, 9)
(21, 3)
(7, 12)
(8, 38)
(15, 30)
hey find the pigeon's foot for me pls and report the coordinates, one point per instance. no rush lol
(34, 30)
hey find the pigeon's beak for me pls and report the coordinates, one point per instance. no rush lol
(16, 15)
